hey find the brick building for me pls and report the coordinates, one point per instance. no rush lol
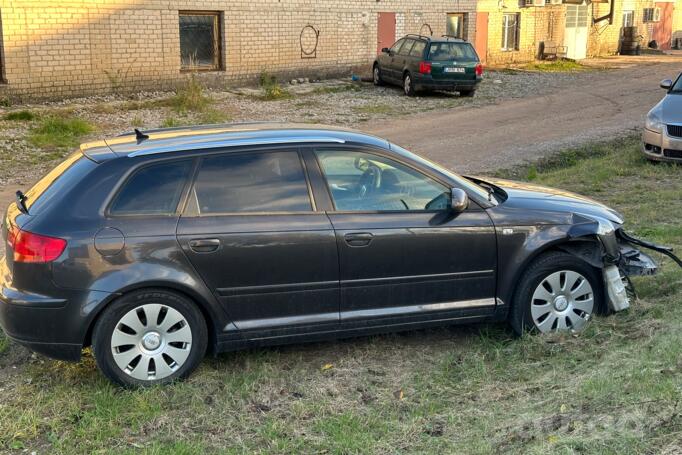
(78, 47)
(73, 47)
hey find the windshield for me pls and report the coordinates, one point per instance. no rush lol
(677, 87)
(463, 52)
(463, 183)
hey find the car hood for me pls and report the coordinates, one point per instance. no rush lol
(670, 108)
(535, 197)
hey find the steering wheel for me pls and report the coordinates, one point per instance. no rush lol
(370, 180)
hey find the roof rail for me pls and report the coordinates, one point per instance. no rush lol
(418, 35)
(453, 37)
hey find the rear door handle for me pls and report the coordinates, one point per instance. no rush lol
(358, 238)
(204, 245)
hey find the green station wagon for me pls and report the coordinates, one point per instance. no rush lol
(426, 63)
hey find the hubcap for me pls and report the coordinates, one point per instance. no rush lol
(376, 75)
(407, 84)
(151, 342)
(563, 300)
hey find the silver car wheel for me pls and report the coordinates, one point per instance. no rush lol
(562, 301)
(408, 84)
(377, 76)
(151, 342)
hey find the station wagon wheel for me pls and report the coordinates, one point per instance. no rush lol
(376, 76)
(408, 85)
(149, 337)
(557, 292)
(564, 300)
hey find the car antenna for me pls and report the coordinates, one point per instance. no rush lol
(140, 136)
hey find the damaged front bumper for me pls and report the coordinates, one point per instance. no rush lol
(619, 256)
(626, 262)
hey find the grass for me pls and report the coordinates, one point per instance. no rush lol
(190, 97)
(20, 116)
(616, 388)
(59, 132)
(556, 66)
(271, 88)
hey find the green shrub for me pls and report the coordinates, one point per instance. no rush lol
(190, 97)
(53, 131)
(271, 88)
(20, 116)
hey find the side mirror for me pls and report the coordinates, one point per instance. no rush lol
(459, 200)
(666, 84)
(385, 50)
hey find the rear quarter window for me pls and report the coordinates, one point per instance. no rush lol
(57, 181)
(154, 189)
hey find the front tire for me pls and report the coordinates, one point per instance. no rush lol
(558, 292)
(149, 337)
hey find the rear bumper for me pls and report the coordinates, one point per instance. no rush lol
(661, 147)
(428, 83)
(54, 325)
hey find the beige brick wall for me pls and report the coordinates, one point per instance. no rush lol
(80, 47)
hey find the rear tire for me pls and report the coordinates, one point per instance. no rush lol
(408, 85)
(540, 306)
(149, 337)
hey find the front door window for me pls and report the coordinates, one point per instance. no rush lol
(364, 182)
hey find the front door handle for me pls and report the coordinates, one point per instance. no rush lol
(204, 245)
(358, 238)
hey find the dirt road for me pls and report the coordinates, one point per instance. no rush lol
(597, 106)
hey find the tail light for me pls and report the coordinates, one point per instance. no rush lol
(479, 69)
(35, 248)
(425, 67)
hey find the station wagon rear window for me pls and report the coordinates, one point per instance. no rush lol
(153, 190)
(463, 52)
(54, 182)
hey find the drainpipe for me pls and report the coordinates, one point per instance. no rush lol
(608, 17)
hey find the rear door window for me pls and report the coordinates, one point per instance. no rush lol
(463, 52)
(153, 190)
(251, 183)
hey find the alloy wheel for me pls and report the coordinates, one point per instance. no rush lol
(562, 301)
(151, 342)
(377, 76)
(408, 84)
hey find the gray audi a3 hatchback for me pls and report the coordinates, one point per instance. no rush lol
(156, 247)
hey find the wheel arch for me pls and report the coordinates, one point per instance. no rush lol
(573, 246)
(204, 307)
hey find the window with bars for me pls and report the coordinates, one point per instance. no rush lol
(200, 41)
(510, 31)
(652, 15)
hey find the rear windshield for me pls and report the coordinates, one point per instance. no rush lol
(56, 181)
(463, 52)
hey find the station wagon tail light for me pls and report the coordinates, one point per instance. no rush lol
(425, 67)
(35, 248)
(479, 69)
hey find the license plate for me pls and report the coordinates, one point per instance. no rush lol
(454, 70)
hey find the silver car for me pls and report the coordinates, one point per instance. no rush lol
(662, 137)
